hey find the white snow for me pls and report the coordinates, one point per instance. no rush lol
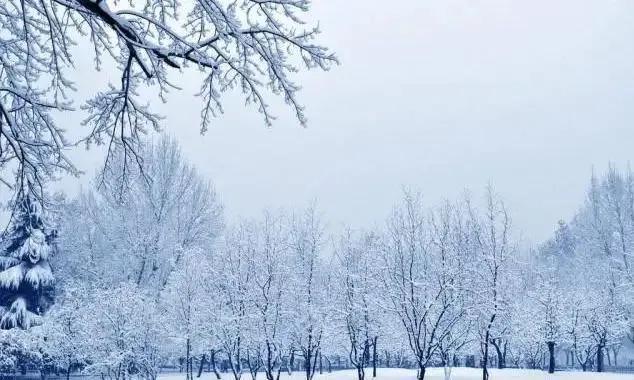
(432, 374)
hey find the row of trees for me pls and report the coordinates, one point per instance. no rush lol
(148, 276)
(582, 282)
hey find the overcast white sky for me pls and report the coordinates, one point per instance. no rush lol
(439, 95)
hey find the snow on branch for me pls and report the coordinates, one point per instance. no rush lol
(253, 46)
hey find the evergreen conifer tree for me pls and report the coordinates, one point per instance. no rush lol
(26, 279)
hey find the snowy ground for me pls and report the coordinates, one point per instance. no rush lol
(434, 374)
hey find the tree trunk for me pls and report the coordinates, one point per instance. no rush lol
(309, 356)
(187, 350)
(291, 361)
(270, 363)
(360, 371)
(500, 354)
(600, 357)
(551, 353)
(485, 358)
(307, 362)
(316, 356)
(421, 371)
(212, 360)
(235, 367)
(374, 356)
(202, 365)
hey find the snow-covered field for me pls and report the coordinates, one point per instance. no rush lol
(435, 374)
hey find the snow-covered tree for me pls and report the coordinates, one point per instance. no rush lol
(272, 291)
(493, 253)
(249, 45)
(420, 279)
(140, 234)
(590, 313)
(186, 305)
(311, 286)
(607, 223)
(449, 232)
(547, 296)
(357, 311)
(234, 312)
(26, 279)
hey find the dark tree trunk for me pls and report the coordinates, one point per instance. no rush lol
(307, 362)
(187, 362)
(202, 365)
(501, 353)
(551, 354)
(321, 363)
(421, 371)
(311, 355)
(235, 367)
(456, 361)
(600, 347)
(291, 362)
(374, 356)
(212, 363)
(366, 354)
(485, 358)
(270, 363)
